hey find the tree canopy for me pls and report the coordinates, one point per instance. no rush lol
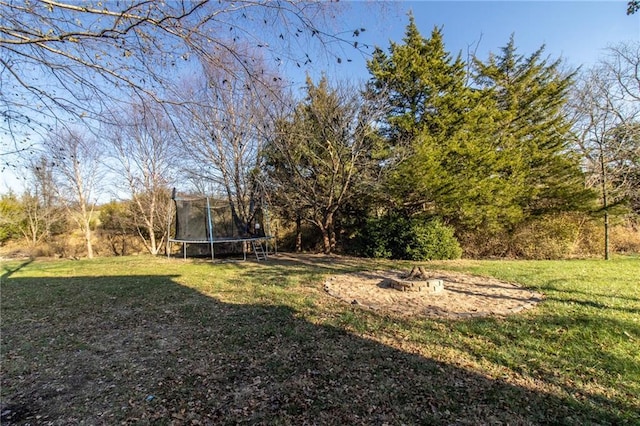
(323, 155)
(488, 154)
(531, 93)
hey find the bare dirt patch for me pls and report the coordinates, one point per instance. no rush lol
(463, 295)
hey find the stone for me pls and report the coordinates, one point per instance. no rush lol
(428, 286)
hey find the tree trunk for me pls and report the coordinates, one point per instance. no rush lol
(606, 235)
(332, 237)
(326, 241)
(85, 222)
(328, 234)
(154, 248)
(605, 203)
(298, 234)
(87, 235)
(152, 242)
(151, 226)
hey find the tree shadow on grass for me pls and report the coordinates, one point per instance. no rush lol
(286, 269)
(594, 304)
(10, 271)
(555, 285)
(144, 349)
(572, 352)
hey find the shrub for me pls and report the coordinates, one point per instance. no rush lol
(555, 236)
(372, 240)
(397, 237)
(625, 237)
(431, 240)
(11, 213)
(551, 237)
(590, 240)
(480, 244)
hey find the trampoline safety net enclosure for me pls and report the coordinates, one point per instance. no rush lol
(213, 226)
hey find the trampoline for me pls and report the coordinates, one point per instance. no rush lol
(206, 221)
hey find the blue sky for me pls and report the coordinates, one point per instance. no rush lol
(575, 31)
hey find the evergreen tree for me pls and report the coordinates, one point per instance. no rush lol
(11, 214)
(533, 131)
(445, 160)
(422, 82)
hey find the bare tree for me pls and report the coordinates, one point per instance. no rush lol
(32, 224)
(223, 130)
(144, 142)
(76, 161)
(606, 109)
(62, 60)
(41, 210)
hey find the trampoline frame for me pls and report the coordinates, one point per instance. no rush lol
(212, 241)
(184, 243)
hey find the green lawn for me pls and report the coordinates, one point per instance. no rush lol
(141, 340)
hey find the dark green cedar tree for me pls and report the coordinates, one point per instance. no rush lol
(445, 159)
(531, 92)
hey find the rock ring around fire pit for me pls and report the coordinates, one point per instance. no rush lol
(429, 286)
(417, 280)
(449, 294)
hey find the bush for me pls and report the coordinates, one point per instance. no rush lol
(397, 237)
(625, 237)
(480, 244)
(431, 241)
(558, 236)
(11, 213)
(552, 237)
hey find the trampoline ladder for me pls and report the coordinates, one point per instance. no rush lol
(258, 249)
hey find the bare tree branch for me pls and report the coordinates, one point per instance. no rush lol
(606, 108)
(65, 61)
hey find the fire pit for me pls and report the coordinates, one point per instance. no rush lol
(417, 280)
(465, 296)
